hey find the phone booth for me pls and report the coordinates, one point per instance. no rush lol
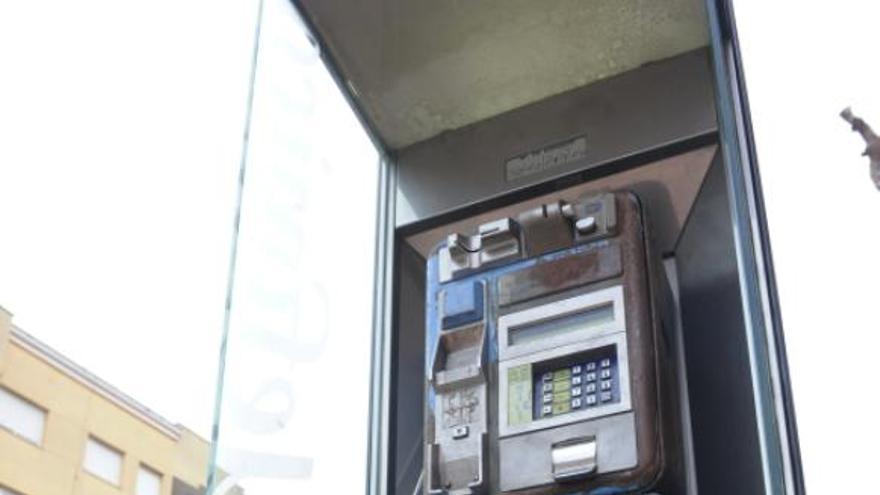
(574, 290)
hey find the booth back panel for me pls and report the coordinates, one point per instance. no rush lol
(725, 430)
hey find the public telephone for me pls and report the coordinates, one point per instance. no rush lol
(547, 369)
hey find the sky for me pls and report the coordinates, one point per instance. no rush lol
(121, 127)
(804, 63)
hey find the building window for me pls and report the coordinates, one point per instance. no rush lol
(149, 482)
(103, 461)
(21, 417)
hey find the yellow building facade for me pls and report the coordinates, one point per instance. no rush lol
(80, 410)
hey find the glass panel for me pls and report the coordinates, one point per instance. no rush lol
(103, 461)
(149, 482)
(294, 407)
(21, 417)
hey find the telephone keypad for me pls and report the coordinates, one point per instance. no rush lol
(589, 381)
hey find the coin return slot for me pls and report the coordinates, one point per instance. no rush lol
(574, 459)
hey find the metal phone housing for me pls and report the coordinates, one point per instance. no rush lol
(571, 391)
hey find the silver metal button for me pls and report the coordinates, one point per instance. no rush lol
(547, 387)
(606, 396)
(585, 225)
(591, 400)
(460, 432)
(576, 380)
(605, 385)
(590, 388)
(606, 373)
(547, 410)
(547, 399)
(576, 403)
(575, 391)
(591, 366)
(605, 363)
(574, 459)
(591, 377)
(576, 370)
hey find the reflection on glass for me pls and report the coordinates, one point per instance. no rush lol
(295, 394)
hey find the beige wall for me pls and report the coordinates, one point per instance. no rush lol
(74, 411)
(5, 328)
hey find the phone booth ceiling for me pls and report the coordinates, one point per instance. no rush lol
(422, 67)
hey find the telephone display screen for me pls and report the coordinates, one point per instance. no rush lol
(583, 320)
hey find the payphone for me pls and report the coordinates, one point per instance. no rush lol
(547, 367)
(543, 366)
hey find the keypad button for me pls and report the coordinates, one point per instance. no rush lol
(606, 363)
(605, 385)
(561, 395)
(576, 403)
(576, 380)
(547, 377)
(606, 396)
(575, 391)
(576, 370)
(590, 388)
(548, 387)
(604, 374)
(591, 377)
(561, 374)
(591, 400)
(547, 399)
(561, 407)
(547, 410)
(591, 366)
